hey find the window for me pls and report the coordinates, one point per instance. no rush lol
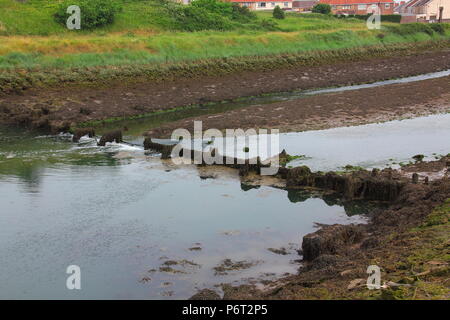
(272, 4)
(346, 7)
(286, 4)
(362, 6)
(387, 5)
(261, 4)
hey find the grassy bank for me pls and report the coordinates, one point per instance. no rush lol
(144, 41)
(423, 269)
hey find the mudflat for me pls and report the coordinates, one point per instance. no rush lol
(68, 106)
(330, 110)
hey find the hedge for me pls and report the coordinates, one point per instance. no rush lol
(386, 17)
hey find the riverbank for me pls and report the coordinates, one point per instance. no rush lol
(58, 109)
(408, 241)
(346, 108)
(146, 42)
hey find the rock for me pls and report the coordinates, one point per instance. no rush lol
(281, 251)
(299, 176)
(419, 157)
(83, 132)
(329, 240)
(164, 149)
(370, 243)
(375, 172)
(205, 294)
(356, 283)
(357, 185)
(59, 126)
(112, 136)
(325, 261)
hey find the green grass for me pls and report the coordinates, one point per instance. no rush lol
(142, 40)
(115, 50)
(35, 17)
(421, 266)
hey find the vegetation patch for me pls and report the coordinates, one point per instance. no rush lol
(95, 13)
(158, 39)
(426, 267)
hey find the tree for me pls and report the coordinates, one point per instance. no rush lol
(322, 8)
(278, 13)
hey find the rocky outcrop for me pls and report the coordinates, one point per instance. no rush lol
(81, 132)
(356, 185)
(329, 240)
(164, 149)
(112, 136)
(205, 294)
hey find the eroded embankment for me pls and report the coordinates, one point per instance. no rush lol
(61, 108)
(409, 240)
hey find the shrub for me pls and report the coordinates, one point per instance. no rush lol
(268, 24)
(438, 28)
(412, 28)
(94, 13)
(278, 13)
(322, 8)
(214, 6)
(208, 15)
(242, 13)
(192, 18)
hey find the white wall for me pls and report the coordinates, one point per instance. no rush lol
(270, 5)
(433, 9)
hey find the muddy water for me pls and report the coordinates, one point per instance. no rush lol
(142, 228)
(125, 218)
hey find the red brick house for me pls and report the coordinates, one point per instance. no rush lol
(425, 11)
(359, 6)
(303, 5)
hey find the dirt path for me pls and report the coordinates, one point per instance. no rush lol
(67, 106)
(331, 110)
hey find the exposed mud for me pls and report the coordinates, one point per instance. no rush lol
(331, 110)
(58, 109)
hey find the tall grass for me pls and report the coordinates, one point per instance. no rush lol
(35, 49)
(116, 50)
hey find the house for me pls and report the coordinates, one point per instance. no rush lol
(425, 11)
(399, 7)
(303, 5)
(359, 6)
(264, 5)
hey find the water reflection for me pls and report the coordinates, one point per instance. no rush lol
(119, 213)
